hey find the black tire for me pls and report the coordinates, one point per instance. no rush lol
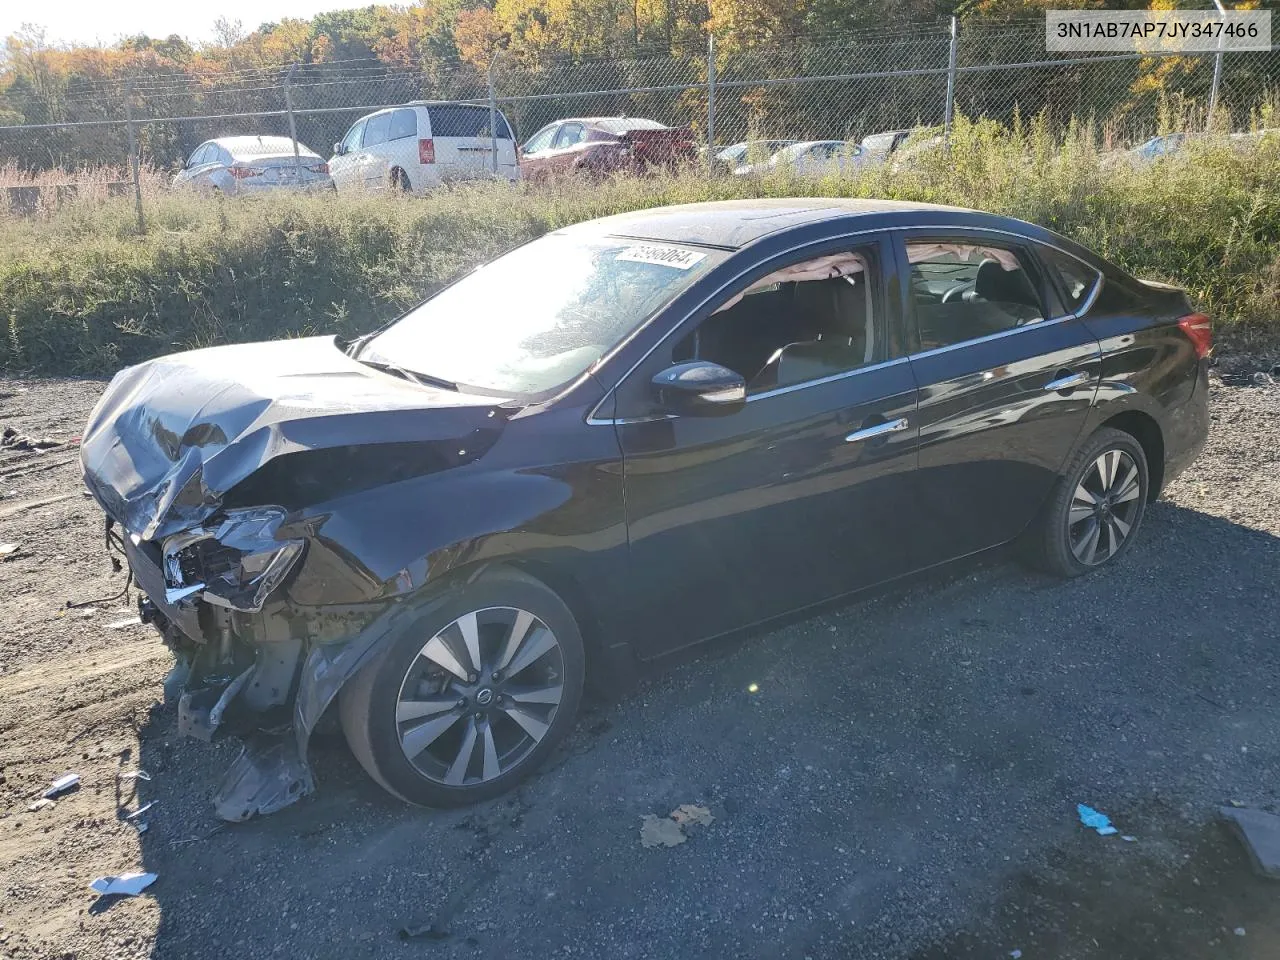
(400, 181)
(370, 701)
(1060, 542)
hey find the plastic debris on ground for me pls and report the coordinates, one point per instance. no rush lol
(140, 811)
(1016, 954)
(8, 548)
(134, 775)
(125, 885)
(1095, 820)
(669, 831)
(121, 624)
(60, 786)
(40, 804)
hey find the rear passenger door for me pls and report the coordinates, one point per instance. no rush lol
(1006, 378)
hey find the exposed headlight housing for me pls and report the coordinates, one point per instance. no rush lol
(235, 564)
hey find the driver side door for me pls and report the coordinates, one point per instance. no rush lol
(800, 496)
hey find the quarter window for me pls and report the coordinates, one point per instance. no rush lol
(404, 123)
(962, 290)
(811, 320)
(1076, 280)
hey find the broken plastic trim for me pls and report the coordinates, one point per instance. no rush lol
(247, 560)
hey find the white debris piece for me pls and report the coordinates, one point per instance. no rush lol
(67, 781)
(125, 885)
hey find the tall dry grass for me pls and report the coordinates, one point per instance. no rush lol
(81, 291)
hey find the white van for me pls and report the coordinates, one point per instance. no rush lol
(419, 145)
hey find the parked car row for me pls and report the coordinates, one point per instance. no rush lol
(417, 146)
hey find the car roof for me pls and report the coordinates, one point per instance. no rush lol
(732, 224)
(260, 146)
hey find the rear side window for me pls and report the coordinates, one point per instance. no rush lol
(376, 131)
(460, 120)
(1075, 280)
(964, 290)
(404, 123)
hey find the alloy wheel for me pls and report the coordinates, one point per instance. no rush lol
(479, 696)
(1104, 506)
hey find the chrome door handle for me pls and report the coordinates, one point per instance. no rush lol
(879, 430)
(1069, 382)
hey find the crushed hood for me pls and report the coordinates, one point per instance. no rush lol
(170, 437)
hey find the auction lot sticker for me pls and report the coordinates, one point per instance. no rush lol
(1157, 31)
(663, 255)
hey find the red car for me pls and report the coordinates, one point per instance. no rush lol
(604, 145)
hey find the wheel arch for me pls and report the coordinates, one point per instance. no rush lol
(1146, 430)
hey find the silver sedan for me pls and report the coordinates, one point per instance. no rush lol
(243, 165)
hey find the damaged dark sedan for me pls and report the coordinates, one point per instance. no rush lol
(618, 440)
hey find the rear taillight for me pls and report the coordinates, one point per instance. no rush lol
(244, 173)
(320, 168)
(426, 151)
(1199, 331)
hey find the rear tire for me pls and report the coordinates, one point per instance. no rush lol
(435, 728)
(1097, 506)
(400, 181)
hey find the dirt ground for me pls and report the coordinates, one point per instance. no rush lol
(894, 778)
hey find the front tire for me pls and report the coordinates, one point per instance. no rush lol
(471, 696)
(1096, 508)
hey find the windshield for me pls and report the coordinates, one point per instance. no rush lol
(540, 316)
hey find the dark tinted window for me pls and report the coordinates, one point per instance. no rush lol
(377, 129)
(963, 290)
(1075, 280)
(404, 123)
(457, 120)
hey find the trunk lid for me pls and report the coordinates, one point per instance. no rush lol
(170, 437)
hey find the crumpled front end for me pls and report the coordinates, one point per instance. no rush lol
(205, 462)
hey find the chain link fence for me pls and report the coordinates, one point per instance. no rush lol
(96, 138)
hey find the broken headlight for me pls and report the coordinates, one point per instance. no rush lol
(235, 564)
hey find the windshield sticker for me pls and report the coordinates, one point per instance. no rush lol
(662, 255)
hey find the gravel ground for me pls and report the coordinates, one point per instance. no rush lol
(900, 781)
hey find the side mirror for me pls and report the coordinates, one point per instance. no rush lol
(700, 389)
(339, 149)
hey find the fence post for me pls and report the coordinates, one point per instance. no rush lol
(135, 159)
(711, 97)
(293, 125)
(1217, 67)
(949, 109)
(493, 117)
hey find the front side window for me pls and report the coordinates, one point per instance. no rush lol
(541, 140)
(353, 138)
(404, 123)
(570, 134)
(804, 322)
(965, 290)
(541, 315)
(1075, 279)
(378, 128)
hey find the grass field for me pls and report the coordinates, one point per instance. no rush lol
(82, 291)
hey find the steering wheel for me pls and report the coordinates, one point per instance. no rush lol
(958, 289)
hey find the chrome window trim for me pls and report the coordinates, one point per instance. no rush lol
(998, 335)
(593, 420)
(779, 391)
